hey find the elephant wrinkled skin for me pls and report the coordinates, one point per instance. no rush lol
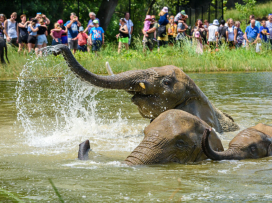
(156, 90)
(251, 143)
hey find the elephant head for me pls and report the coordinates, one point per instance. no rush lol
(156, 90)
(175, 136)
(251, 143)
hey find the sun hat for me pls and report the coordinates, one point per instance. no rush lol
(60, 21)
(215, 22)
(148, 17)
(182, 12)
(165, 9)
(95, 21)
(197, 34)
(81, 29)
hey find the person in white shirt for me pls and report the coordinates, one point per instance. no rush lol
(269, 26)
(230, 33)
(129, 25)
(212, 34)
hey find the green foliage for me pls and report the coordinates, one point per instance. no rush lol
(56, 190)
(247, 9)
(10, 196)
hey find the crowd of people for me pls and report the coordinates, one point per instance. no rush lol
(168, 30)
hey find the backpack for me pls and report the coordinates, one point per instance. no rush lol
(162, 31)
(222, 33)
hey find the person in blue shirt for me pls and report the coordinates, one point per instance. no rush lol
(72, 28)
(264, 31)
(96, 37)
(252, 33)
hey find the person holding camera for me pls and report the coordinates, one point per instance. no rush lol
(72, 25)
(23, 34)
(40, 15)
(41, 30)
(123, 35)
(56, 34)
(32, 36)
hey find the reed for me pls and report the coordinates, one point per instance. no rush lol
(183, 57)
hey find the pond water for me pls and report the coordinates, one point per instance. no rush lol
(42, 121)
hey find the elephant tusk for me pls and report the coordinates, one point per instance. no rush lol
(109, 68)
(142, 85)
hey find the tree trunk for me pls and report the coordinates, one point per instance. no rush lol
(105, 12)
(150, 6)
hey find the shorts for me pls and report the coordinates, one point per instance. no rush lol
(96, 45)
(13, 42)
(148, 43)
(55, 43)
(64, 40)
(162, 43)
(124, 40)
(23, 39)
(41, 39)
(82, 48)
(72, 44)
(31, 39)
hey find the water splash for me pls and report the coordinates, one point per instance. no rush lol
(59, 113)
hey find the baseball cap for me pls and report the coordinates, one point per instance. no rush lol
(60, 21)
(81, 29)
(95, 21)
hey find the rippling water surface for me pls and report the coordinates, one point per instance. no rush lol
(42, 121)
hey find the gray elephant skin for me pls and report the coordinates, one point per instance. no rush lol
(173, 137)
(251, 143)
(156, 90)
(3, 49)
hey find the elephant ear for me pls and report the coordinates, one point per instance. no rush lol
(269, 151)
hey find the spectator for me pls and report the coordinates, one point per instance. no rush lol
(23, 34)
(162, 38)
(269, 26)
(222, 32)
(72, 25)
(123, 35)
(213, 34)
(172, 32)
(10, 27)
(129, 25)
(90, 23)
(32, 36)
(252, 33)
(40, 15)
(230, 33)
(82, 40)
(96, 37)
(64, 39)
(56, 34)
(181, 29)
(179, 16)
(264, 31)
(257, 23)
(238, 35)
(150, 35)
(198, 42)
(206, 24)
(2, 30)
(163, 17)
(147, 24)
(200, 28)
(41, 30)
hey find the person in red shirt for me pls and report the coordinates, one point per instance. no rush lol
(82, 40)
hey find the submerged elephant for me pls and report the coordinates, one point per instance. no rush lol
(251, 143)
(156, 90)
(174, 136)
(3, 49)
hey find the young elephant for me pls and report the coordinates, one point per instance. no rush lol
(251, 143)
(174, 136)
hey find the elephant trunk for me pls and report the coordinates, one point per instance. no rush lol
(210, 153)
(129, 80)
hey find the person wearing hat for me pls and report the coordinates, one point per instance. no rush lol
(123, 35)
(163, 16)
(96, 37)
(179, 16)
(212, 34)
(147, 24)
(82, 40)
(64, 39)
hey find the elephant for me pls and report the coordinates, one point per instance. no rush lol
(174, 136)
(3, 46)
(156, 90)
(251, 143)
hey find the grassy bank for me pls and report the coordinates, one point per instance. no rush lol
(186, 58)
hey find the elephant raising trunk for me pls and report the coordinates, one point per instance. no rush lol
(210, 153)
(127, 81)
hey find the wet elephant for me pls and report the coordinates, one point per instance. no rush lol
(251, 143)
(156, 90)
(3, 50)
(174, 136)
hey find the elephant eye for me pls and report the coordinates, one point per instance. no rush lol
(253, 148)
(166, 82)
(180, 144)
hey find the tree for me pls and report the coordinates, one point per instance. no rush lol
(247, 9)
(106, 11)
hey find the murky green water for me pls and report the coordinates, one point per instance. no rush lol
(43, 121)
